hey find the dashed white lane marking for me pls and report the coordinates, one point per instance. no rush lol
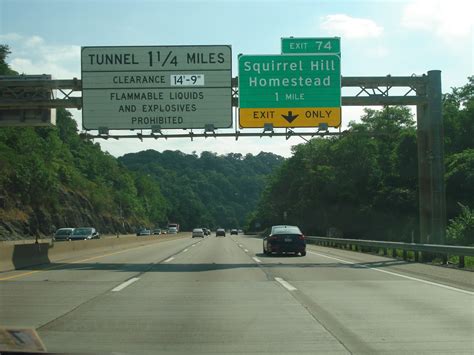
(169, 259)
(185, 250)
(246, 250)
(193, 245)
(285, 284)
(256, 259)
(125, 284)
(399, 275)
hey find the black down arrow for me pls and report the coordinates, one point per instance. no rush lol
(290, 118)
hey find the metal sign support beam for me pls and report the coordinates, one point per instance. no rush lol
(422, 91)
(435, 133)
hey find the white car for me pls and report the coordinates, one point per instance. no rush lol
(172, 230)
(198, 232)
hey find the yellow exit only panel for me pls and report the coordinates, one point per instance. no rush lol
(290, 117)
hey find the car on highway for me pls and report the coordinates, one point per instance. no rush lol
(220, 232)
(84, 233)
(63, 234)
(198, 233)
(234, 232)
(285, 239)
(157, 231)
(172, 230)
(207, 231)
(174, 225)
(143, 232)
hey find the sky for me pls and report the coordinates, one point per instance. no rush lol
(396, 37)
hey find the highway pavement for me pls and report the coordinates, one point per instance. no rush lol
(223, 296)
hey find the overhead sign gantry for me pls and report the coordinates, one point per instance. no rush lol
(23, 91)
(423, 91)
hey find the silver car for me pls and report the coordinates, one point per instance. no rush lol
(144, 231)
(198, 232)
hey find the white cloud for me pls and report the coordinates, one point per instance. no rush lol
(351, 113)
(10, 37)
(447, 19)
(34, 41)
(378, 51)
(62, 53)
(27, 66)
(350, 27)
(33, 55)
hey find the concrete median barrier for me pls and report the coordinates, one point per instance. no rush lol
(18, 256)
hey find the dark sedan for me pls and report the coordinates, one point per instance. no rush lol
(220, 232)
(63, 234)
(85, 233)
(285, 239)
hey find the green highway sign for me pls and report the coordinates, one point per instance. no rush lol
(329, 45)
(289, 90)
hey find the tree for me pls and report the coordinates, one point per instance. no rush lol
(459, 182)
(4, 67)
(208, 190)
(458, 114)
(354, 183)
(460, 230)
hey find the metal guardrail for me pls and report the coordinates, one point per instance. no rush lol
(418, 249)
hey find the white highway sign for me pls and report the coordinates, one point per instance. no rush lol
(172, 87)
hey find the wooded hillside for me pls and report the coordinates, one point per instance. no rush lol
(365, 184)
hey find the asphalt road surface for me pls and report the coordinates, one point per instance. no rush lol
(223, 296)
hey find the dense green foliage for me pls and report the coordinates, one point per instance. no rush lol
(210, 190)
(51, 177)
(461, 229)
(365, 184)
(4, 67)
(59, 179)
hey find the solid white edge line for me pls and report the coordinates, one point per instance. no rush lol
(256, 259)
(399, 275)
(169, 259)
(285, 284)
(125, 284)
